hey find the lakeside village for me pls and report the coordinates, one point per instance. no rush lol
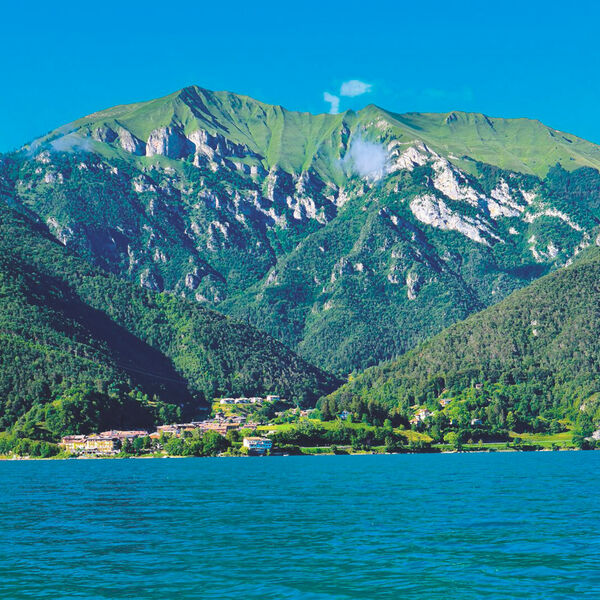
(223, 424)
(260, 426)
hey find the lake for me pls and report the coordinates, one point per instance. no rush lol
(464, 526)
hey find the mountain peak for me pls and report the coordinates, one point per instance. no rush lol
(298, 140)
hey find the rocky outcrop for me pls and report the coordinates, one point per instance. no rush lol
(217, 145)
(435, 212)
(403, 158)
(503, 203)
(130, 143)
(105, 134)
(453, 184)
(170, 142)
(151, 280)
(413, 284)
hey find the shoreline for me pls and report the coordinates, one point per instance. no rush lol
(307, 454)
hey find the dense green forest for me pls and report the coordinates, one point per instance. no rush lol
(525, 364)
(82, 349)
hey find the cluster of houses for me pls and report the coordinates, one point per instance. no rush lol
(423, 414)
(305, 414)
(110, 442)
(107, 442)
(253, 400)
(219, 424)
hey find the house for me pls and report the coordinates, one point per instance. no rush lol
(257, 445)
(421, 416)
(124, 435)
(476, 422)
(169, 429)
(102, 445)
(73, 443)
(181, 427)
(445, 401)
(479, 386)
(273, 398)
(221, 427)
(596, 435)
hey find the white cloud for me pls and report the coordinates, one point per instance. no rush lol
(354, 87)
(72, 142)
(369, 160)
(334, 101)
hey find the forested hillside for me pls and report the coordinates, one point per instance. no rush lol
(532, 359)
(117, 354)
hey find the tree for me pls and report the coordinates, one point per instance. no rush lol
(454, 439)
(213, 443)
(511, 421)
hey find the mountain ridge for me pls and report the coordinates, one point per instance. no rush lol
(196, 99)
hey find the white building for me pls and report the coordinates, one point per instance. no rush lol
(421, 416)
(257, 445)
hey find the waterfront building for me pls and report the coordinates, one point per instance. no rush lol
(73, 443)
(257, 445)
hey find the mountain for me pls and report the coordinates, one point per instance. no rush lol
(74, 334)
(534, 355)
(350, 238)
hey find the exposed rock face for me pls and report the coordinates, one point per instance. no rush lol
(151, 280)
(142, 184)
(63, 234)
(407, 159)
(412, 285)
(341, 268)
(192, 281)
(217, 145)
(503, 203)
(130, 143)
(433, 211)
(51, 177)
(105, 134)
(552, 212)
(170, 142)
(453, 184)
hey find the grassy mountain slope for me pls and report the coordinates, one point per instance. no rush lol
(523, 145)
(296, 141)
(64, 323)
(535, 354)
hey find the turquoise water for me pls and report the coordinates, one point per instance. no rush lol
(334, 527)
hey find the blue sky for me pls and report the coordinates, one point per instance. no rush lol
(513, 59)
